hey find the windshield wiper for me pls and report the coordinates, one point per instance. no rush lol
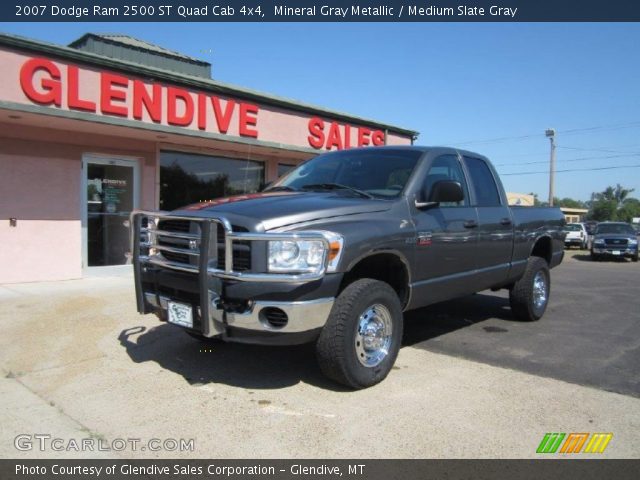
(280, 188)
(335, 186)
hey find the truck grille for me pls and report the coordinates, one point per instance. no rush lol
(241, 249)
(615, 242)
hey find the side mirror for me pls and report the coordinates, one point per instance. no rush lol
(442, 191)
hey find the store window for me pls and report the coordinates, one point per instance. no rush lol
(187, 178)
(284, 168)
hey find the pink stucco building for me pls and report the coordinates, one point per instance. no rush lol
(91, 131)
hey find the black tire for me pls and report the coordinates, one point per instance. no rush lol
(634, 258)
(594, 257)
(527, 303)
(336, 349)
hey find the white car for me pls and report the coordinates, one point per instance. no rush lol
(576, 235)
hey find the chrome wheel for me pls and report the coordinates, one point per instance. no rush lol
(539, 290)
(373, 335)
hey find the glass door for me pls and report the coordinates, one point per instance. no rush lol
(110, 193)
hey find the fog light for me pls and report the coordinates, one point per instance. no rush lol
(274, 317)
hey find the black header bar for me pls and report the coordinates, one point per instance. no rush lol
(322, 468)
(320, 11)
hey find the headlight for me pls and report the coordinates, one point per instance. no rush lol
(633, 241)
(599, 242)
(304, 256)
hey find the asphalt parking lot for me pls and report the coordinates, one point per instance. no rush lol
(589, 335)
(77, 361)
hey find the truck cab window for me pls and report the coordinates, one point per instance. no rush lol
(446, 167)
(484, 185)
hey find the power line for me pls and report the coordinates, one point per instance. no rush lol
(572, 131)
(608, 128)
(579, 159)
(493, 140)
(603, 150)
(527, 154)
(573, 170)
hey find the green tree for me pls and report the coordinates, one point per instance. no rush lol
(630, 208)
(607, 205)
(569, 203)
(558, 202)
(602, 210)
(617, 194)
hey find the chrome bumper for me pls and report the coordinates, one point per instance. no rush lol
(623, 250)
(302, 316)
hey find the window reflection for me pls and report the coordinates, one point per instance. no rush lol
(187, 178)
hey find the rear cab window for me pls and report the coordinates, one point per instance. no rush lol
(482, 182)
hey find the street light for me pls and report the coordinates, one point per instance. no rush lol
(551, 134)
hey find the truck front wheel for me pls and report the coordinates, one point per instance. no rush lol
(530, 295)
(361, 339)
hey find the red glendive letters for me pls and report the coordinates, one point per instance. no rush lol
(43, 82)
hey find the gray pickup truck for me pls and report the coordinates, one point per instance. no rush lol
(338, 249)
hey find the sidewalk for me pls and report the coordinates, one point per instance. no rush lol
(78, 361)
(94, 282)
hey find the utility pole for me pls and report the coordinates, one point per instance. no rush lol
(551, 133)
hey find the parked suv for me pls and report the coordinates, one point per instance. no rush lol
(576, 235)
(615, 239)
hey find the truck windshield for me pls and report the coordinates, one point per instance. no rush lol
(621, 228)
(379, 173)
(572, 228)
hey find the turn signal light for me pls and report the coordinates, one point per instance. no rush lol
(334, 250)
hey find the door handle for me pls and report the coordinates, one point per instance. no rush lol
(505, 221)
(470, 224)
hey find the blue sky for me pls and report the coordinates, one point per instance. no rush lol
(461, 85)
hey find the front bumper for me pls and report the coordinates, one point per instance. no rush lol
(239, 311)
(574, 241)
(303, 319)
(623, 251)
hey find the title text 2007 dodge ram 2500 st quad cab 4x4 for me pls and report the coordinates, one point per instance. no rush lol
(335, 251)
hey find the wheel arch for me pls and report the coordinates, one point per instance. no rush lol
(389, 266)
(543, 248)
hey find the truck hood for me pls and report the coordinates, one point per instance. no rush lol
(280, 209)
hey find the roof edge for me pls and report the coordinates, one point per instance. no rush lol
(192, 81)
(167, 53)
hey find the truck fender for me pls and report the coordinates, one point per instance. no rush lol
(538, 241)
(386, 251)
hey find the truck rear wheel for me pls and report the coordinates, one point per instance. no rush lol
(361, 339)
(530, 295)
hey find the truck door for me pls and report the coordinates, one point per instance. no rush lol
(495, 228)
(446, 238)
